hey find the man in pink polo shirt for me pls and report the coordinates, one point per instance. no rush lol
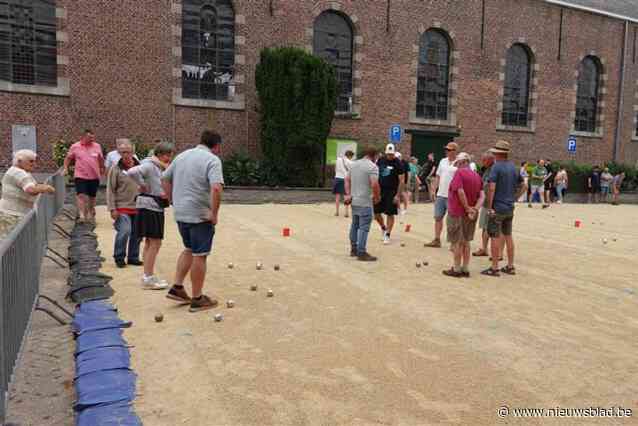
(464, 201)
(89, 167)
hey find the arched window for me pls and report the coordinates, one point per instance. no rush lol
(28, 52)
(333, 42)
(587, 95)
(208, 49)
(433, 75)
(518, 71)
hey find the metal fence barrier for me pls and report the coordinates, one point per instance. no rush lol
(21, 254)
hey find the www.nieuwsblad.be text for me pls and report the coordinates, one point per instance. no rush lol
(616, 412)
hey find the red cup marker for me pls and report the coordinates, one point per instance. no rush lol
(577, 224)
(286, 232)
(408, 227)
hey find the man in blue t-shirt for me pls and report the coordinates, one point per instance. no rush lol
(505, 186)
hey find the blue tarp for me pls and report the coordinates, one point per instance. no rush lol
(95, 306)
(101, 364)
(100, 339)
(94, 321)
(108, 352)
(120, 414)
(104, 387)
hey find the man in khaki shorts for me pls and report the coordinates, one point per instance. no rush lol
(487, 160)
(465, 197)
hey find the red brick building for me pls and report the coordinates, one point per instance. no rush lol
(474, 70)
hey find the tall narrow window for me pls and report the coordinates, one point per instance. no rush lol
(208, 49)
(587, 95)
(333, 42)
(28, 53)
(433, 76)
(518, 69)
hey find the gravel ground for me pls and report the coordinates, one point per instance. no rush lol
(347, 343)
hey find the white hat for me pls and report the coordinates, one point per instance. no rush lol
(389, 149)
(463, 156)
(398, 155)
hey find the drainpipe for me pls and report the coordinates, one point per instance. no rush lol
(621, 95)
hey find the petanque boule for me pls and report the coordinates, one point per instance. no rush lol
(230, 304)
(604, 240)
(218, 317)
(270, 293)
(253, 287)
(425, 263)
(614, 239)
(159, 317)
(276, 267)
(230, 265)
(402, 244)
(418, 264)
(259, 266)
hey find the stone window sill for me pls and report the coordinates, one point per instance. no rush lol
(237, 104)
(634, 138)
(587, 135)
(62, 89)
(348, 115)
(516, 129)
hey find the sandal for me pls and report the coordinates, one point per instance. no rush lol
(452, 273)
(491, 272)
(480, 253)
(509, 270)
(500, 259)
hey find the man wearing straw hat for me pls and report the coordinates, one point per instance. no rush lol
(505, 186)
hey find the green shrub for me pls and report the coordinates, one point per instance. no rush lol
(298, 96)
(240, 169)
(142, 150)
(578, 174)
(60, 149)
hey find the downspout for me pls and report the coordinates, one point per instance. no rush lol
(621, 95)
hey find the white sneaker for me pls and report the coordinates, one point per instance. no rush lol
(386, 238)
(154, 283)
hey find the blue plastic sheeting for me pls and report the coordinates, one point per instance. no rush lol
(103, 363)
(83, 323)
(100, 353)
(100, 339)
(95, 306)
(104, 387)
(120, 414)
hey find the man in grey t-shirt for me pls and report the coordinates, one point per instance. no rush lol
(362, 191)
(195, 183)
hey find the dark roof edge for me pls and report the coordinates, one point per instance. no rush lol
(591, 10)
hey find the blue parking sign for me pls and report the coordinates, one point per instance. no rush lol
(395, 133)
(571, 144)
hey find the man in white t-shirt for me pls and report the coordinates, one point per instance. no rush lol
(114, 157)
(444, 174)
(342, 168)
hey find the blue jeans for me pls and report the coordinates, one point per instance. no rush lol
(560, 188)
(361, 221)
(126, 236)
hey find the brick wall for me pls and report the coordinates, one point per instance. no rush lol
(123, 61)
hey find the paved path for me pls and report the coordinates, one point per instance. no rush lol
(42, 392)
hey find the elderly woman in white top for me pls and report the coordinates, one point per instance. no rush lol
(19, 188)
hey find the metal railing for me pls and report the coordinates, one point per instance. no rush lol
(21, 254)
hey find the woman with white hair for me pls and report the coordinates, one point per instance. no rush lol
(19, 188)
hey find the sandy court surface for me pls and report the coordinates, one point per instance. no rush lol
(351, 343)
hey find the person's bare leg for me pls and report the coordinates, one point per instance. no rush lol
(485, 239)
(198, 274)
(81, 202)
(438, 228)
(379, 219)
(509, 242)
(465, 252)
(390, 224)
(458, 255)
(496, 251)
(184, 263)
(151, 249)
(347, 208)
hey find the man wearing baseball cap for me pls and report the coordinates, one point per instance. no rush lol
(444, 174)
(391, 181)
(506, 185)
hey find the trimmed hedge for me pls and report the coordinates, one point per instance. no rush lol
(578, 174)
(298, 96)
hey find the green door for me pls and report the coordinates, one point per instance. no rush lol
(422, 145)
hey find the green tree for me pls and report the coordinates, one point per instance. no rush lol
(298, 96)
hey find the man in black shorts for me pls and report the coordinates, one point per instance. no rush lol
(391, 182)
